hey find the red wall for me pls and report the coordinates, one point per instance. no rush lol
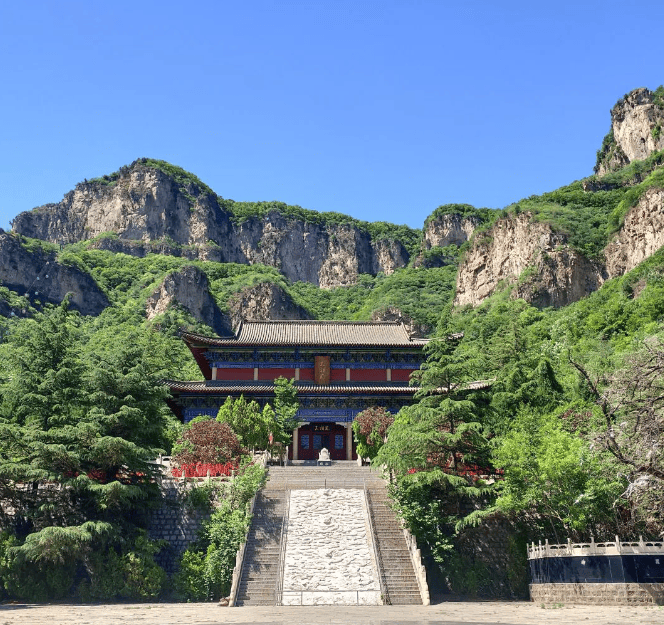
(368, 375)
(307, 374)
(401, 375)
(271, 374)
(337, 375)
(235, 374)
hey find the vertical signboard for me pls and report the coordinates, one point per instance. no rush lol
(322, 369)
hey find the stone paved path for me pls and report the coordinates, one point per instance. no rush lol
(451, 613)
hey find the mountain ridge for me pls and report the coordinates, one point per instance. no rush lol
(550, 250)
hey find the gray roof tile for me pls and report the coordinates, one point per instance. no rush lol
(314, 333)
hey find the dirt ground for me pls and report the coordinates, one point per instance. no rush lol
(449, 613)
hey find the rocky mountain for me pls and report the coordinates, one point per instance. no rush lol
(264, 302)
(532, 251)
(36, 273)
(550, 250)
(516, 247)
(152, 206)
(636, 130)
(190, 289)
(449, 229)
(641, 235)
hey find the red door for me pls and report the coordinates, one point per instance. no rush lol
(315, 436)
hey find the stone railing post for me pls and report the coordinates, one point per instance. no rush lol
(418, 567)
(239, 558)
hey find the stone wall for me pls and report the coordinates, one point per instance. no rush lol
(175, 523)
(598, 594)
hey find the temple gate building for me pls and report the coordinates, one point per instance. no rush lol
(339, 367)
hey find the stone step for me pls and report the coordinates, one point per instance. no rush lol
(395, 561)
(261, 557)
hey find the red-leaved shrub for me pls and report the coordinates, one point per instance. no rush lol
(207, 442)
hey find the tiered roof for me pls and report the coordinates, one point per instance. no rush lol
(313, 333)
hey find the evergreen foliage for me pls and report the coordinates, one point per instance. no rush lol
(76, 443)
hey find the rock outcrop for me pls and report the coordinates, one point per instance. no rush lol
(142, 204)
(554, 274)
(264, 302)
(153, 211)
(189, 287)
(640, 237)
(637, 130)
(325, 255)
(392, 313)
(543, 269)
(37, 274)
(450, 229)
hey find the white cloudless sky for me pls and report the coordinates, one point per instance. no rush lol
(381, 109)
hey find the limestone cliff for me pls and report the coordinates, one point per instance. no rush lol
(155, 210)
(450, 229)
(641, 236)
(264, 302)
(142, 203)
(37, 274)
(393, 313)
(189, 287)
(325, 255)
(516, 246)
(637, 130)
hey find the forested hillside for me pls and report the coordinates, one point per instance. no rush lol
(556, 303)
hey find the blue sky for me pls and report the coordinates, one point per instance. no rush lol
(379, 109)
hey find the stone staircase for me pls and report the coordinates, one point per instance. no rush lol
(258, 583)
(304, 475)
(396, 566)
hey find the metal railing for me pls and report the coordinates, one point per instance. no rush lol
(282, 551)
(374, 546)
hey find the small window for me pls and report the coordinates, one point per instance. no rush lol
(318, 441)
(304, 441)
(338, 441)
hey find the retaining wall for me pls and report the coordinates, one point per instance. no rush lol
(175, 523)
(609, 573)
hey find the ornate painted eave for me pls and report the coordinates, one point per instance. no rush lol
(217, 387)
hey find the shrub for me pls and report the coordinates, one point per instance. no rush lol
(370, 428)
(207, 442)
(206, 568)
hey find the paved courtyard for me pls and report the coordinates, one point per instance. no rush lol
(448, 613)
